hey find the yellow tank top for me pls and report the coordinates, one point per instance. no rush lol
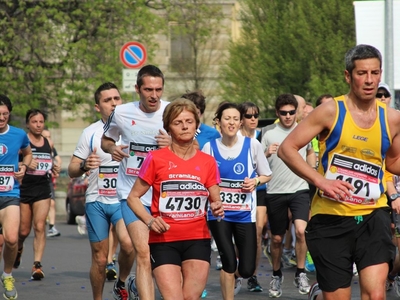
(357, 156)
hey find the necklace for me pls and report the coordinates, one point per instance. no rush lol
(186, 151)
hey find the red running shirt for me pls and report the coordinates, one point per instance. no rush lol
(180, 193)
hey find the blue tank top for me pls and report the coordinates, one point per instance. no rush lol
(239, 207)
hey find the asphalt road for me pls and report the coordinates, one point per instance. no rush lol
(66, 265)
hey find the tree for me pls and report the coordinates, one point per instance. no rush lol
(54, 53)
(289, 46)
(196, 32)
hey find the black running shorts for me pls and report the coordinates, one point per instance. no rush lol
(335, 242)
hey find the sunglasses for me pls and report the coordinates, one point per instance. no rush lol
(249, 116)
(285, 112)
(379, 95)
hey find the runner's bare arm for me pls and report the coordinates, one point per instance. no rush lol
(27, 158)
(139, 188)
(108, 146)
(215, 202)
(393, 154)
(318, 121)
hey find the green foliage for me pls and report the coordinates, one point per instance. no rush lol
(54, 53)
(289, 46)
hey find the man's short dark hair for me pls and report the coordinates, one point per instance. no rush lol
(104, 87)
(4, 100)
(361, 52)
(286, 99)
(149, 70)
(197, 98)
(33, 112)
(322, 97)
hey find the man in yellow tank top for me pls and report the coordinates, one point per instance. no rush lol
(350, 223)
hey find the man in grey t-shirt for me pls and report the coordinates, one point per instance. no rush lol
(286, 191)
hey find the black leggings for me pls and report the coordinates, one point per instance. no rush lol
(246, 243)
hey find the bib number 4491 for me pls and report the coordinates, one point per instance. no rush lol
(357, 183)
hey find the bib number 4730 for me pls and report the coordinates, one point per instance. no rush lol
(188, 203)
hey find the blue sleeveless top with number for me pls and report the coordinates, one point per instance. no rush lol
(239, 206)
(11, 141)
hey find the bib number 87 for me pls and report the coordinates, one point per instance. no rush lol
(4, 180)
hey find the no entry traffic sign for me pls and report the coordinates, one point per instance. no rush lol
(133, 55)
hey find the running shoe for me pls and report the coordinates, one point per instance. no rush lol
(264, 241)
(204, 294)
(214, 245)
(253, 285)
(314, 291)
(119, 293)
(37, 272)
(309, 263)
(238, 285)
(10, 291)
(53, 232)
(275, 289)
(396, 284)
(218, 263)
(287, 260)
(81, 221)
(131, 285)
(301, 282)
(18, 259)
(388, 285)
(111, 271)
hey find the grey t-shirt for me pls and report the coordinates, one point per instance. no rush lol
(283, 180)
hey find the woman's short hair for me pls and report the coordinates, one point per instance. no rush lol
(173, 110)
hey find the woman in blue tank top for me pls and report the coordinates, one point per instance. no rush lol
(243, 167)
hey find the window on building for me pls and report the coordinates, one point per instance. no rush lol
(181, 53)
(396, 99)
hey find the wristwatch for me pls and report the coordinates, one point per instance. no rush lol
(394, 196)
(82, 166)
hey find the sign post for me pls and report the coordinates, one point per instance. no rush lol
(133, 55)
(129, 79)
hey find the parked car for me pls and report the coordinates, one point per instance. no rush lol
(75, 201)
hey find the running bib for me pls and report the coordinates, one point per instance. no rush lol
(362, 175)
(6, 178)
(45, 163)
(232, 196)
(182, 199)
(137, 154)
(107, 180)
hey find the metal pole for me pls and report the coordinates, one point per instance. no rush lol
(389, 58)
